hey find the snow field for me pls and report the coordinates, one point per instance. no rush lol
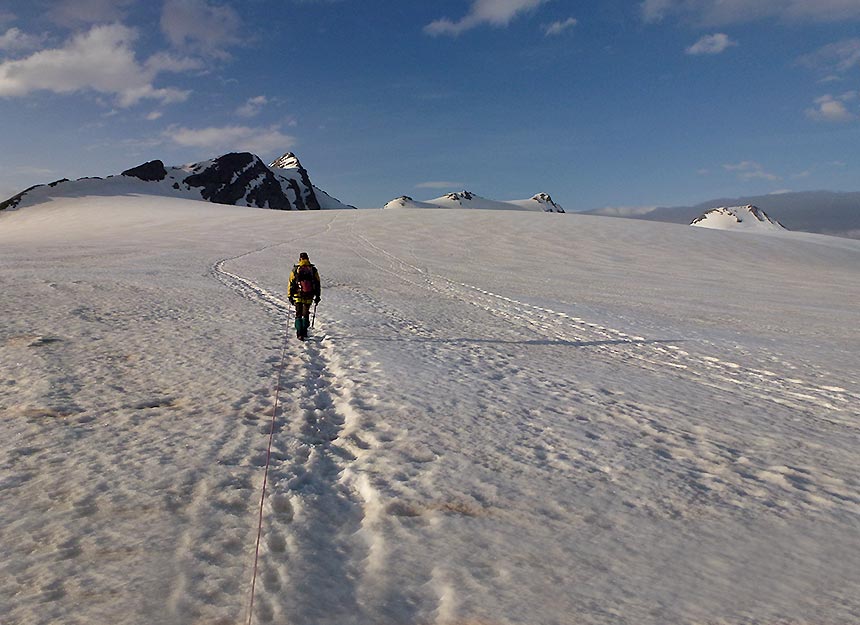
(500, 418)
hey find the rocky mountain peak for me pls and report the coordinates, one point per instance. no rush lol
(150, 171)
(462, 195)
(237, 178)
(728, 217)
(546, 200)
(287, 161)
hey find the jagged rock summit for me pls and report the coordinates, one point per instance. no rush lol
(287, 161)
(237, 178)
(466, 199)
(737, 217)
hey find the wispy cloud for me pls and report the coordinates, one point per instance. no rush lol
(493, 12)
(13, 40)
(837, 58)
(625, 211)
(557, 28)
(200, 27)
(75, 13)
(252, 106)
(259, 140)
(722, 12)
(30, 170)
(101, 60)
(830, 108)
(711, 44)
(750, 170)
(440, 184)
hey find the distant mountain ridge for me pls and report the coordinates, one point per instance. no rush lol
(822, 212)
(237, 178)
(466, 199)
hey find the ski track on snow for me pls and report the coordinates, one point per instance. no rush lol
(720, 468)
(324, 548)
(669, 359)
(321, 536)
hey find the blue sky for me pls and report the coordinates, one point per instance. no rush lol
(611, 103)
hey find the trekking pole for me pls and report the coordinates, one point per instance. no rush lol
(315, 313)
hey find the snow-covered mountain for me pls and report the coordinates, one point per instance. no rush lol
(737, 217)
(467, 199)
(823, 212)
(288, 167)
(237, 178)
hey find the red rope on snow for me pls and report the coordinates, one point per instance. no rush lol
(266, 474)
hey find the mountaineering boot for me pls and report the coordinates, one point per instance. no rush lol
(299, 325)
(305, 324)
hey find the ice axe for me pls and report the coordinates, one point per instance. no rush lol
(314, 318)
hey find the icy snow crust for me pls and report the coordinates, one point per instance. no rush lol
(498, 420)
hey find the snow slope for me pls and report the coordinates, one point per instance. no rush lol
(750, 218)
(466, 199)
(616, 427)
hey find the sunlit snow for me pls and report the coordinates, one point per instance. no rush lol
(501, 418)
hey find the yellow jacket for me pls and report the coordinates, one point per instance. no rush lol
(295, 292)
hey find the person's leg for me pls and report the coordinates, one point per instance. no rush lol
(300, 312)
(306, 320)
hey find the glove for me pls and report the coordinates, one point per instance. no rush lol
(317, 299)
(292, 300)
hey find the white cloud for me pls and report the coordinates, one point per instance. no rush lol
(166, 62)
(721, 12)
(200, 27)
(253, 106)
(74, 13)
(494, 12)
(441, 184)
(655, 10)
(837, 58)
(556, 28)
(711, 44)
(13, 40)
(259, 140)
(830, 108)
(750, 170)
(100, 60)
(154, 115)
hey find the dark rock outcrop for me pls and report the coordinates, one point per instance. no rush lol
(240, 175)
(13, 201)
(306, 199)
(549, 205)
(152, 171)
